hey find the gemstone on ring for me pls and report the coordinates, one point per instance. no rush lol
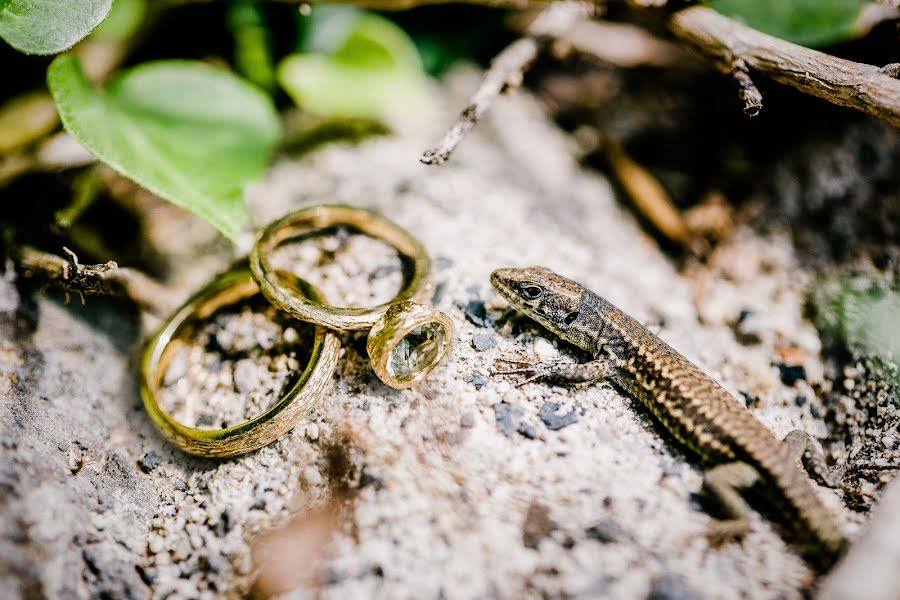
(408, 343)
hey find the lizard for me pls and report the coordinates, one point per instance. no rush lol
(696, 410)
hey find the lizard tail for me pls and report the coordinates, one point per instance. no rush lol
(799, 500)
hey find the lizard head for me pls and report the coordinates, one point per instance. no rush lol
(548, 298)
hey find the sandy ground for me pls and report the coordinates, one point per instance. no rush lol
(465, 487)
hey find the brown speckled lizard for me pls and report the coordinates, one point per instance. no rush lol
(699, 412)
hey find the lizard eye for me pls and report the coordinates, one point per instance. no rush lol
(531, 292)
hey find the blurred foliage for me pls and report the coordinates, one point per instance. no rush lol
(252, 52)
(49, 26)
(863, 317)
(25, 119)
(813, 23)
(353, 64)
(123, 21)
(191, 133)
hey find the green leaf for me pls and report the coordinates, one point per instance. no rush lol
(49, 26)
(813, 23)
(362, 66)
(191, 133)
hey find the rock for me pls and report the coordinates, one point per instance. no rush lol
(223, 525)
(670, 586)
(552, 418)
(467, 420)
(476, 379)
(368, 479)
(442, 263)
(538, 525)
(791, 374)
(508, 416)
(246, 375)
(476, 313)
(607, 531)
(526, 431)
(484, 341)
(149, 461)
(312, 476)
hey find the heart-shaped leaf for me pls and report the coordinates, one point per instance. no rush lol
(191, 133)
(49, 26)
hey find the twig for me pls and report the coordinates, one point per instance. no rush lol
(747, 90)
(91, 280)
(507, 70)
(739, 50)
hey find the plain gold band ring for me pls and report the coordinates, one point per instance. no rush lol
(228, 289)
(305, 222)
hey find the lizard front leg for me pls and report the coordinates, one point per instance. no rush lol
(724, 484)
(563, 372)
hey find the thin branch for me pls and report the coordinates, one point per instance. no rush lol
(747, 90)
(91, 280)
(738, 49)
(507, 70)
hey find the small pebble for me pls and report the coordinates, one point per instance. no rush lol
(467, 420)
(508, 416)
(538, 525)
(150, 461)
(526, 431)
(181, 551)
(312, 476)
(368, 479)
(553, 420)
(223, 525)
(607, 531)
(670, 586)
(791, 374)
(246, 375)
(476, 379)
(312, 432)
(476, 313)
(484, 341)
(443, 262)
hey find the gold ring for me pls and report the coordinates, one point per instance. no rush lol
(416, 264)
(408, 342)
(228, 289)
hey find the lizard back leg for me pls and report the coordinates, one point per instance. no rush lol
(724, 484)
(805, 451)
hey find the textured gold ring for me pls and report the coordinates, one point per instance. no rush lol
(408, 343)
(228, 289)
(309, 221)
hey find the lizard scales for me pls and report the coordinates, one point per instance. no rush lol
(695, 409)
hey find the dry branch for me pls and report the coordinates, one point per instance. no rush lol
(91, 280)
(507, 70)
(740, 50)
